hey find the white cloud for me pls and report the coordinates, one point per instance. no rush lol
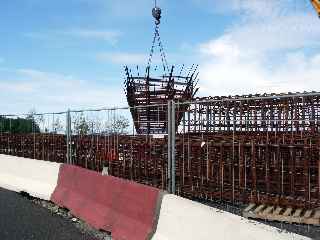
(279, 33)
(18, 88)
(276, 53)
(249, 75)
(222, 48)
(46, 91)
(111, 36)
(106, 35)
(128, 8)
(254, 8)
(123, 58)
(126, 58)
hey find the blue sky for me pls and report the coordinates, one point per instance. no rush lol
(70, 54)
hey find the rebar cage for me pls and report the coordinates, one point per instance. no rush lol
(145, 94)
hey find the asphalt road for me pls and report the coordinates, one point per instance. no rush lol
(20, 219)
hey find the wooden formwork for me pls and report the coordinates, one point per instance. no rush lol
(283, 214)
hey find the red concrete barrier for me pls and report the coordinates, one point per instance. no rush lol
(126, 209)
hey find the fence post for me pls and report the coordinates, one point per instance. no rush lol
(68, 134)
(171, 147)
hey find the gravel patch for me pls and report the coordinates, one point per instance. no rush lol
(66, 214)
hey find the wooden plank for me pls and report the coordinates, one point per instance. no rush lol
(277, 211)
(311, 221)
(272, 213)
(307, 214)
(268, 210)
(317, 214)
(297, 213)
(258, 209)
(249, 208)
(296, 217)
(287, 212)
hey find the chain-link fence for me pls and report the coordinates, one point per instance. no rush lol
(234, 150)
(37, 136)
(107, 139)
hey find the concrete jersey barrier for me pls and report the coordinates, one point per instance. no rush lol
(125, 208)
(128, 210)
(188, 220)
(38, 178)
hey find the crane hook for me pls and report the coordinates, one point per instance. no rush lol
(156, 13)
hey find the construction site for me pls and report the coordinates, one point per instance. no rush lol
(261, 151)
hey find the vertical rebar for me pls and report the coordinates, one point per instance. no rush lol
(169, 119)
(171, 147)
(68, 134)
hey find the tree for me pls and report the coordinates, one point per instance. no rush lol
(81, 126)
(18, 125)
(95, 126)
(119, 126)
(57, 126)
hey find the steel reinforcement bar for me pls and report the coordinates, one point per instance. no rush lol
(297, 113)
(266, 168)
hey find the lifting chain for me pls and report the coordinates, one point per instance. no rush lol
(156, 12)
(164, 61)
